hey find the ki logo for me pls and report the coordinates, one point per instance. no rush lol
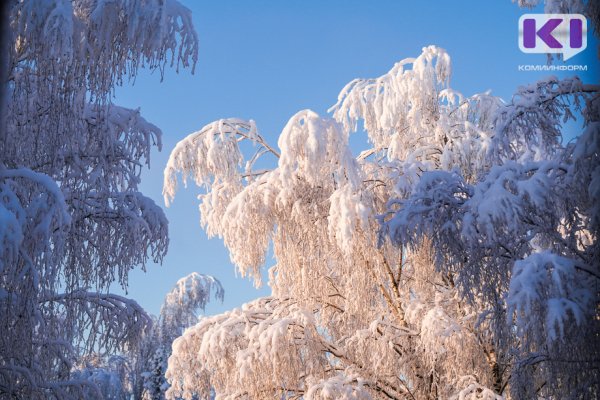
(565, 34)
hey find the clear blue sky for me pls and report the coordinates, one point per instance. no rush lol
(267, 60)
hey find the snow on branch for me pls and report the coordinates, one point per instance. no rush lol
(120, 327)
(243, 208)
(190, 294)
(274, 343)
(31, 206)
(211, 155)
(564, 299)
(403, 99)
(103, 40)
(531, 125)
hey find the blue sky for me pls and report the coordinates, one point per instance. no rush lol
(267, 60)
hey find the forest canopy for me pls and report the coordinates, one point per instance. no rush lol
(456, 257)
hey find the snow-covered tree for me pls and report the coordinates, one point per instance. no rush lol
(456, 258)
(179, 311)
(109, 377)
(520, 241)
(140, 372)
(72, 220)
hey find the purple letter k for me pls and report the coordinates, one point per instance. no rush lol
(545, 33)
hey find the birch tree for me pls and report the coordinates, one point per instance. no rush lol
(455, 258)
(179, 311)
(72, 220)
